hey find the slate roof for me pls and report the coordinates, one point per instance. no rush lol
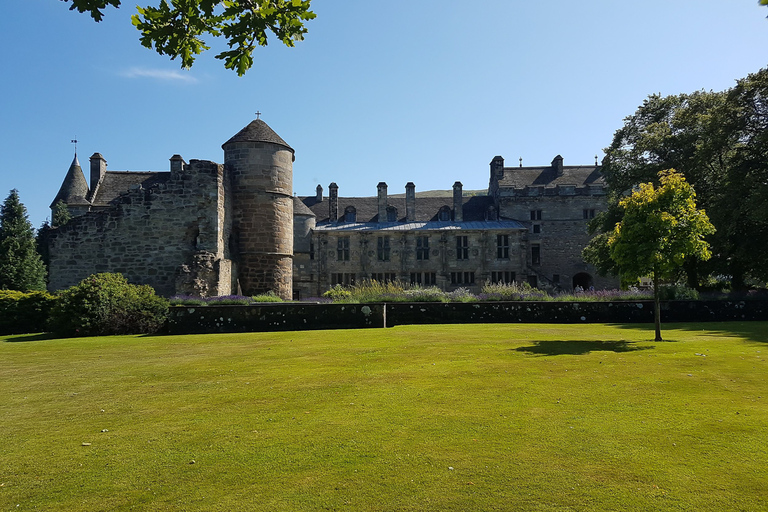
(578, 175)
(115, 183)
(300, 208)
(422, 226)
(474, 208)
(257, 131)
(74, 188)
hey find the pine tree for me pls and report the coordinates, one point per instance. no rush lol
(21, 267)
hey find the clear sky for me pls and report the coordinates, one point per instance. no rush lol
(420, 90)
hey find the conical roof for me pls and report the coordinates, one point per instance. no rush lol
(74, 189)
(299, 208)
(257, 131)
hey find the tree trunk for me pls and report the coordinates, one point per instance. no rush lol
(656, 306)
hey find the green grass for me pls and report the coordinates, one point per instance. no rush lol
(529, 417)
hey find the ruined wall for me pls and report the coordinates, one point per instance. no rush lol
(169, 236)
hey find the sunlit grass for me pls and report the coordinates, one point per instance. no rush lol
(476, 417)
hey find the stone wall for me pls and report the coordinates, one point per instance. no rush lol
(170, 236)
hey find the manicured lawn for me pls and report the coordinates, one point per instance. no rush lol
(475, 417)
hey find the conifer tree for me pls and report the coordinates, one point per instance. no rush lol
(21, 267)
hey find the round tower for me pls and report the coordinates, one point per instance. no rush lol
(260, 168)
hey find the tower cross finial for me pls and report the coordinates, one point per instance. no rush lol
(74, 141)
(258, 115)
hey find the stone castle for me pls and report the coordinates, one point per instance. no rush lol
(207, 229)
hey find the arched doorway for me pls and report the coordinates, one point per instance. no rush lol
(584, 280)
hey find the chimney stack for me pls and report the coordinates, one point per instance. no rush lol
(382, 200)
(319, 192)
(98, 169)
(177, 163)
(410, 202)
(333, 202)
(458, 211)
(557, 165)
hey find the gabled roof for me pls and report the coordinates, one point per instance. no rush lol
(367, 208)
(74, 189)
(257, 131)
(115, 183)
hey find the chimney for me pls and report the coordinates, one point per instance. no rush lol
(98, 169)
(333, 202)
(177, 163)
(319, 192)
(458, 212)
(410, 202)
(382, 200)
(557, 165)
(497, 168)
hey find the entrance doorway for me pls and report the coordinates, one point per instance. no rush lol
(584, 280)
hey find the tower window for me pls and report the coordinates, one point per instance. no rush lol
(535, 255)
(535, 214)
(422, 248)
(589, 214)
(342, 248)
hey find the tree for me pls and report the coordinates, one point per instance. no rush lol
(20, 265)
(660, 228)
(60, 214)
(176, 27)
(718, 141)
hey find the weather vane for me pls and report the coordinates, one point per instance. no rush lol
(74, 141)
(258, 114)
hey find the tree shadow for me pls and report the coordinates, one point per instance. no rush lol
(578, 348)
(29, 337)
(751, 330)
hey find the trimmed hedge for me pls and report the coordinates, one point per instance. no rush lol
(24, 312)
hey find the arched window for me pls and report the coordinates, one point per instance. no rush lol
(391, 214)
(444, 214)
(350, 214)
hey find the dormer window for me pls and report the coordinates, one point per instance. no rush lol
(444, 214)
(391, 214)
(350, 214)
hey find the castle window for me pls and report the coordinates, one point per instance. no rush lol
(589, 214)
(422, 247)
(350, 214)
(462, 247)
(502, 247)
(342, 278)
(384, 277)
(342, 249)
(462, 278)
(535, 214)
(391, 214)
(311, 249)
(535, 255)
(444, 214)
(383, 248)
(423, 278)
(536, 228)
(503, 277)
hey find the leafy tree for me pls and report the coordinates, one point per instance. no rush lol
(60, 214)
(177, 27)
(717, 140)
(660, 228)
(20, 265)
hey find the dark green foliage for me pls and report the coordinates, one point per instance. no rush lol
(106, 304)
(719, 142)
(60, 214)
(22, 312)
(21, 267)
(176, 28)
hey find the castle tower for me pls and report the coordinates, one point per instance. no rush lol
(260, 168)
(74, 190)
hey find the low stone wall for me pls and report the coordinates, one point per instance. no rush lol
(573, 312)
(273, 317)
(305, 316)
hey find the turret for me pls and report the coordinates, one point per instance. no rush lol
(260, 166)
(74, 190)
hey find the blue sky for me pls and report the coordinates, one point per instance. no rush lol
(425, 91)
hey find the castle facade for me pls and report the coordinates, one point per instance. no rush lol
(208, 229)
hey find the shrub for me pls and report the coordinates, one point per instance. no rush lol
(22, 312)
(267, 297)
(337, 294)
(106, 304)
(677, 292)
(512, 291)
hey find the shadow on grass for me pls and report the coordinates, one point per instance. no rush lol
(753, 331)
(578, 348)
(15, 338)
